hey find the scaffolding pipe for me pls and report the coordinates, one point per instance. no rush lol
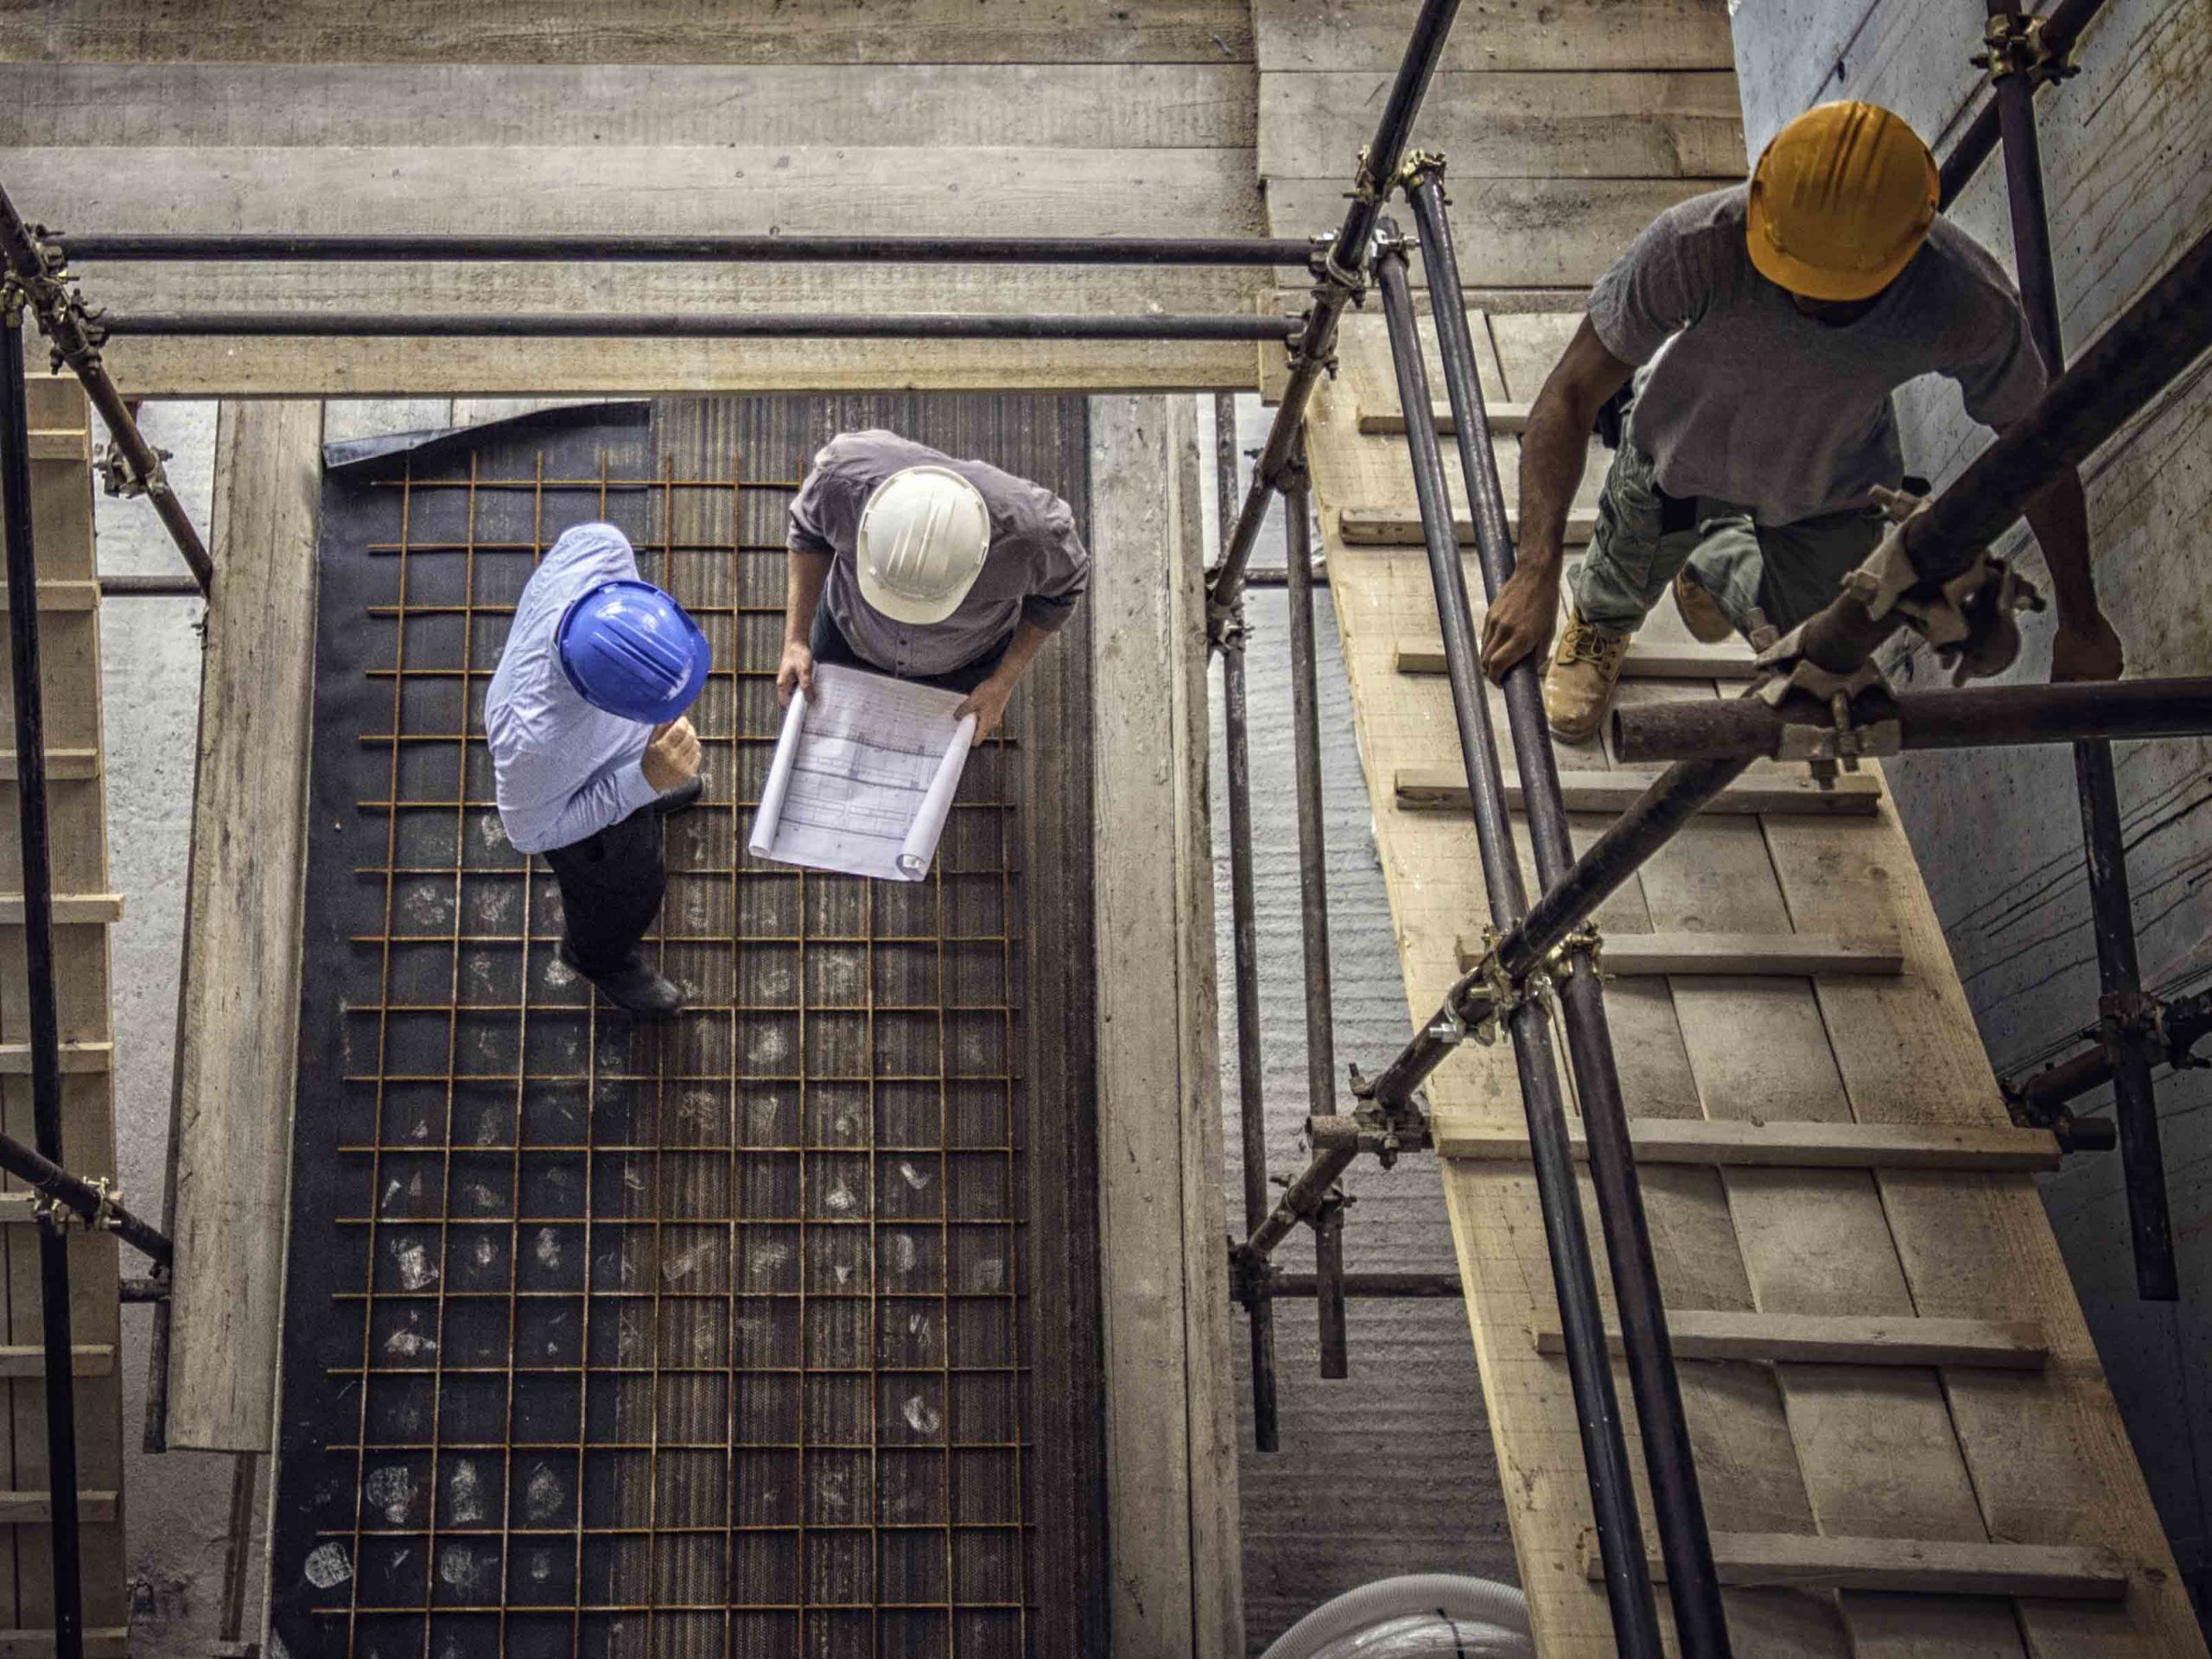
(1312, 839)
(2135, 1107)
(1402, 1286)
(2061, 30)
(1612, 1495)
(1240, 251)
(42, 1012)
(735, 325)
(1975, 717)
(1670, 1466)
(2180, 1026)
(1342, 279)
(1251, 1105)
(2143, 351)
(90, 1205)
(63, 323)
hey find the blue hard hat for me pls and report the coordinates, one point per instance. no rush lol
(630, 649)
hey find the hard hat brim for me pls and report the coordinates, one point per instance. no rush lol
(914, 613)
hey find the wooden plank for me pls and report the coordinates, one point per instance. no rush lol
(1576, 35)
(1389, 420)
(1751, 1144)
(69, 765)
(238, 1027)
(1051, 103)
(1627, 956)
(1632, 124)
(1920, 1566)
(1559, 233)
(64, 595)
(89, 1359)
(63, 445)
(30, 1508)
(1401, 526)
(70, 909)
(1441, 789)
(1701, 1333)
(647, 32)
(18, 1209)
(76, 1057)
(1646, 660)
(1170, 1428)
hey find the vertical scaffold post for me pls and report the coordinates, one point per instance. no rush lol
(1251, 1100)
(2013, 76)
(41, 1011)
(1693, 1587)
(1612, 1497)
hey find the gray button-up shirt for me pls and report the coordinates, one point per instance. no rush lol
(1036, 571)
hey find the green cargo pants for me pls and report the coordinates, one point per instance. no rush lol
(1644, 536)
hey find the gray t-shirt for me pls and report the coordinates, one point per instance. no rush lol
(1744, 400)
(1036, 569)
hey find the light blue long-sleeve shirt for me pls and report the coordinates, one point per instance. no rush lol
(563, 770)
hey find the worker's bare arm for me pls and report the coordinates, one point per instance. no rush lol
(1554, 449)
(987, 701)
(2084, 646)
(805, 573)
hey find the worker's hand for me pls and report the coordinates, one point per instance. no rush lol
(2086, 650)
(988, 703)
(671, 755)
(1521, 620)
(797, 673)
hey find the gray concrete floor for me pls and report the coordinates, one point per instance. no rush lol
(177, 1502)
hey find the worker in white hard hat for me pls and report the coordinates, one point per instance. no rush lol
(1766, 327)
(946, 572)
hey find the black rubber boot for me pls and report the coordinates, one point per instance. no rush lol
(633, 988)
(682, 798)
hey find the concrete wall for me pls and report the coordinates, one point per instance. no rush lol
(1390, 1471)
(1998, 834)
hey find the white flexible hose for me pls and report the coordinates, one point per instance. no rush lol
(1449, 1594)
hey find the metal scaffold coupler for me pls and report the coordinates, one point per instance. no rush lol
(1579, 952)
(57, 1217)
(1251, 1275)
(1386, 1130)
(1419, 166)
(2020, 44)
(1225, 629)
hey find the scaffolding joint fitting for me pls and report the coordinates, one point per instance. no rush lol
(57, 1217)
(1421, 166)
(1251, 1275)
(1969, 618)
(1386, 1129)
(2018, 43)
(1225, 629)
(119, 477)
(1584, 944)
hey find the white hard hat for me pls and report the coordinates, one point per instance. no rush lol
(924, 536)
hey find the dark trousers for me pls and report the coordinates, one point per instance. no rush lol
(829, 645)
(611, 887)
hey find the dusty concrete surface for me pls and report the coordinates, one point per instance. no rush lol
(1390, 1471)
(177, 1502)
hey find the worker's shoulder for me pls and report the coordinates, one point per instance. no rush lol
(873, 449)
(1964, 269)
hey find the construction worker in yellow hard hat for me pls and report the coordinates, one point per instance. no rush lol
(1765, 328)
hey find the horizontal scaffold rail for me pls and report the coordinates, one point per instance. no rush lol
(745, 325)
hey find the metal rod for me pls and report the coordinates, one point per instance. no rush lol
(1251, 1103)
(2135, 1107)
(137, 587)
(1329, 1281)
(62, 319)
(743, 324)
(1612, 1496)
(2181, 1025)
(42, 1019)
(237, 1550)
(1414, 1286)
(733, 249)
(1312, 838)
(1678, 1509)
(1973, 717)
(1342, 278)
(2061, 30)
(92, 1206)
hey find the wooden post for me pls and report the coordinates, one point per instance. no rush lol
(238, 1014)
(1172, 1546)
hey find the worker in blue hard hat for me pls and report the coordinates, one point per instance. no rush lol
(590, 750)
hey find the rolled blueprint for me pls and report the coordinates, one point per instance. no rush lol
(920, 845)
(770, 814)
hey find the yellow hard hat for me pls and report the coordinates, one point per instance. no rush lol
(1840, 201)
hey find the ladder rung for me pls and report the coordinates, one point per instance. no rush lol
(1439, 789)
(1401, 526)
(61, 443)
(71, 907)
(1644, 660)
(1929, 1567)
(16, 1057)
(1503, 418)
(62, 594)
(108, 1641)
(90, 1360)
(1776, 1146)
(28, 1509)
(1629, 956)
(1838, 1339)
(59, 764)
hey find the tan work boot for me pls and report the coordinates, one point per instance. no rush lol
(1701, 613)
(1584, 668)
